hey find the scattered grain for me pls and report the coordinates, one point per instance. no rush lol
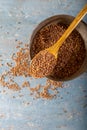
(55, 83)
(22, 63)
(14, 87)
(19, 42)
(26, 84)
(21, 68)
(17, 46)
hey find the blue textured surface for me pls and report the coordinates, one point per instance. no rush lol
(69, 110)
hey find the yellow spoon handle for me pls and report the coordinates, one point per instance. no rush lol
(72, 26)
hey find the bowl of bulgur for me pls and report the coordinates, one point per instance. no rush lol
(72, 56)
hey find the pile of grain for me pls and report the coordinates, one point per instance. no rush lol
(71, 54)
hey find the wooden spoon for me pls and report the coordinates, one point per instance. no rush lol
(55, 48)
(44, 62)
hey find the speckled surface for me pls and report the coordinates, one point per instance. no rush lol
(68, 111)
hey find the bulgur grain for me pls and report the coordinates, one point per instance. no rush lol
(26, 84)
(71, 54)
(55, 83)
(22, 63)
(21, 68)
(14, 87)
(42, 64)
